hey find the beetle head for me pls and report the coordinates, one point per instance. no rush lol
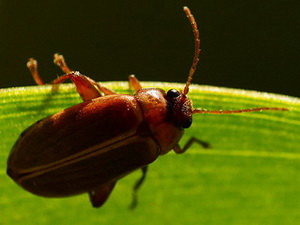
(181, 107)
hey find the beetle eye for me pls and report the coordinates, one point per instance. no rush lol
(173, 93)
(186, 123)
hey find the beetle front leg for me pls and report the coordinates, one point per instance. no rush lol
(178, 150)
(137, 186)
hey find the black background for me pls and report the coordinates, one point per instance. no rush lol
(249, 44)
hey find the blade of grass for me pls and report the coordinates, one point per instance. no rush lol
(249, 176)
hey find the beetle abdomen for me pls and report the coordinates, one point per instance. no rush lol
(92, 170)
(69, 152)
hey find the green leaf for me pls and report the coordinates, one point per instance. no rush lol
(249, 176)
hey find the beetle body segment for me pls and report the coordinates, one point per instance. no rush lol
(93, 143)
(159, 117)
(82, 147)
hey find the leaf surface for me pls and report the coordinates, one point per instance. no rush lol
(250, 175)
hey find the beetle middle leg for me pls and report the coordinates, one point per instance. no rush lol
(134, 83)
(178, 150)
(137, 186)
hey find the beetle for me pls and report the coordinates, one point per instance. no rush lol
(88, 147)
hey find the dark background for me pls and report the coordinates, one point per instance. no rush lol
(249, 44)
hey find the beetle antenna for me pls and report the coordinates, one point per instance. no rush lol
(197, 48)
(205, 111)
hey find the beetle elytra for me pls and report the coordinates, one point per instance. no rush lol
(88, 147)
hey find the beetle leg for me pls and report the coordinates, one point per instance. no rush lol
(59, 60)
(134, 83)
(86, 87)
(137, 187)
(180, 150)
(99, 196)
(105, 90)
(32, 65)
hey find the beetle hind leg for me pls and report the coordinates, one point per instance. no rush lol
(99, 196)
(59, 60)
(86, 87)
(179, 150)
(137, 186)
(32, 65)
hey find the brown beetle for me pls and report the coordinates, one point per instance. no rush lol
(90, 146)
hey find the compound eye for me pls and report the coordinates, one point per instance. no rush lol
(173, 93)
(186, 123)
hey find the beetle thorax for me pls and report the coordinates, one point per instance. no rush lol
(154, 105)
(159, 117)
